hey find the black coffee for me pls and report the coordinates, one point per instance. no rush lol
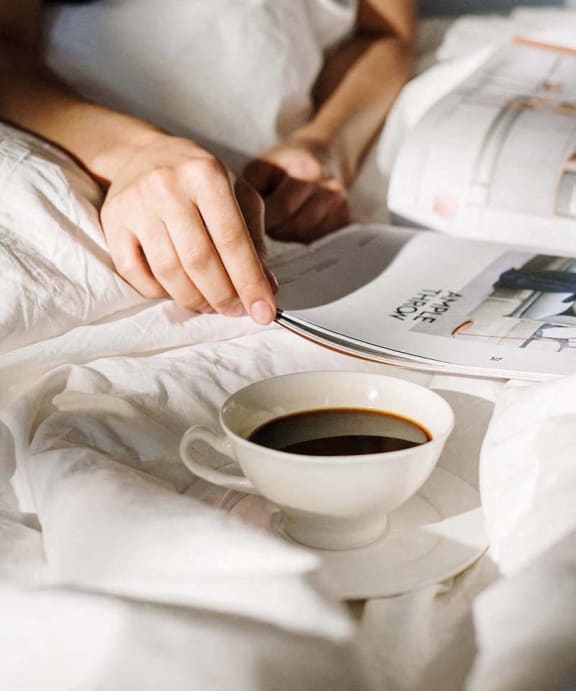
(340, 432)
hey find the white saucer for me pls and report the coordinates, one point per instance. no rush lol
(435, 535)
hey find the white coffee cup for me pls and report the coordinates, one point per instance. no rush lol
(329, 502)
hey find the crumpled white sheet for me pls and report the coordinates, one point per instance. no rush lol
(44, 259)
(68, 639)
(133, 583)
(89, 426)
(94, 448)
(528, 473)
(526, 625)
(98, 462)
(129, 567)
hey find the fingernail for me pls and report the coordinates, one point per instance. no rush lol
(261, 312)
(205, 309)
(234, 309)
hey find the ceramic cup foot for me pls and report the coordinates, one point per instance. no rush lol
(333, 533)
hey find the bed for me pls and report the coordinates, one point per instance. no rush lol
(118, 571)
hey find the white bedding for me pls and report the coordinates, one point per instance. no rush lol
(114, 575)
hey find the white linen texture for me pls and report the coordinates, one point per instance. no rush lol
(113, 574)
(98, 386)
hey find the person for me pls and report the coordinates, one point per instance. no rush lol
(177, 222)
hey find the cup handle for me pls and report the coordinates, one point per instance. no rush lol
(197, 462)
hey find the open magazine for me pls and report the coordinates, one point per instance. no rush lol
(495, 158)
(492, 162)
(432, 301)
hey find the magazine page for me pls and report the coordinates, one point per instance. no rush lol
(496, 158)
(439, 301)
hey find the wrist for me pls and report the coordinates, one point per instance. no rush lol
(114, 152)
(332, 148)
(329, 146)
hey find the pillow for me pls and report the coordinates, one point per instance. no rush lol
(237, 72)
(55, 271)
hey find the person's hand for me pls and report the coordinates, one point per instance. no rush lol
(304, 199)
(178, 224)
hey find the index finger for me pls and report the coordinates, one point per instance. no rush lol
(223, 219)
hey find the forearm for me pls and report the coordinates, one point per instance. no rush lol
(32, 98)
(354, 93)
(176, 221)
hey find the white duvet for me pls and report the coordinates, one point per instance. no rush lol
(97, 387)
(113, 573)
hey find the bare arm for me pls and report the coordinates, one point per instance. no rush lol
(360, 81)
(31, 97)
(353, 95)
(175, 220)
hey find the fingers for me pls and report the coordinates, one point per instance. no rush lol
(167, 267)
(324, 211)
(302, 211)
(304, 198)
(130, 262)
(180, 262)
(197, 260)
(222, 216)
(175, 227)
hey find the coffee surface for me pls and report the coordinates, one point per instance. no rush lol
(340, 432)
